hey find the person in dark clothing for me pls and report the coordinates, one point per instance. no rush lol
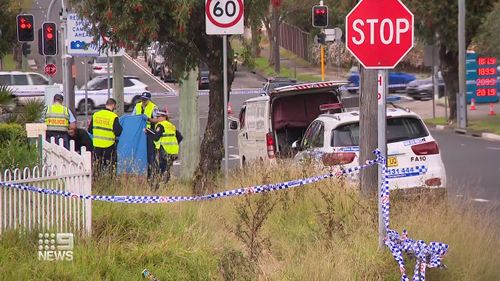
(166, 138)
(81, 138)
(105, 128)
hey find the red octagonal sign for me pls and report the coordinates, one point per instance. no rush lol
(379, 33)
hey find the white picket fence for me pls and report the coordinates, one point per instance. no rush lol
(61, 170)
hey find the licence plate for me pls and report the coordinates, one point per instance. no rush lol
(392, 161)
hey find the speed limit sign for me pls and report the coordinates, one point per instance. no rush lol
(224, 17)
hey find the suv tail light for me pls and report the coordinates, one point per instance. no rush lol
(433, 182)
(428, 148)
(97, 67)
(338, 158)
(270, 145)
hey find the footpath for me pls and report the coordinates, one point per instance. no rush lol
(481, 122)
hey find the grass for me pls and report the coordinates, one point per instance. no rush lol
(9, 64)
(488, 124)
(262, 65)
(322, 231)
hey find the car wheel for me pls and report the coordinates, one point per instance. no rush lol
(90, 106)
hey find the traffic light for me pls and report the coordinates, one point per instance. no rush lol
(25, 27)
(321, 38)
(26, 49)
(320, 16)
(49, 40)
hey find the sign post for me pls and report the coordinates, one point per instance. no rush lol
(379, 33)
(224, 17)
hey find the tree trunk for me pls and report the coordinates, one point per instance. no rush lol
(368, 130)
(276, 43)
(255, 40)
(212, 150)
(449, 70)
(270, 36)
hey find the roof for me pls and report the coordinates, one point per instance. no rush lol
(310, 86)
(18, 72)
(353, 116)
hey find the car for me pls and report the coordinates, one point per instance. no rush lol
(25, 85)
(276, 82)
(423, 89)
(203, 77)
(414, 158)
(269, 124)
(97, 92)
(397, 81)
(166, 73)
(100, 66)
(150, 52)
(158, 61)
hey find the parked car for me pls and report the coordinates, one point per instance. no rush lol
(414, 159)
(25, 85)
(203, 77)
(150, 52)
(158, 61)
(97, 91)
(397, 81)
(100, 66)
(423, 89)
(276, 82)
(269, 124)
(166, 73)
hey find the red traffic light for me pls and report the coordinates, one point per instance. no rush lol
(321, 11)
(25, 24)
(320, 16)
(49, 42)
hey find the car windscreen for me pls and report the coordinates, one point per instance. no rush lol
(102, 60)
(398, 129)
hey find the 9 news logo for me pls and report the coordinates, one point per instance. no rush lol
(55, 246)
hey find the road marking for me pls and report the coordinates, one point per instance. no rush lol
(493, 148)
(481, 200)
(146, 71)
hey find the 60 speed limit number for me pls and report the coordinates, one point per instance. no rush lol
(224, 17)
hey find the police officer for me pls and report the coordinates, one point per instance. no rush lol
(58, 119)
(149, 110)
(166, 139)
(106, 128)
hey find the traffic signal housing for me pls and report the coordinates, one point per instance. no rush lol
(321, 38)
(26, 48)
(25, 28)
(49, 39)
(320, 16)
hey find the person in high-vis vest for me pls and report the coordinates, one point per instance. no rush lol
(166, 139)
(149, 111)
(105, 128)
(58, 119)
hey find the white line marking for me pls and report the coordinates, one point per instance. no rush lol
(493, 148)
(481, 200)
(146, 71)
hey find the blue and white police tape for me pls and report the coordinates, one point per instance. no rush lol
(427, 255)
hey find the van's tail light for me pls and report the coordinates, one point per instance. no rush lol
(97, 67)
(270, 145)
(427, 148)
(433, 182)
(338, 158)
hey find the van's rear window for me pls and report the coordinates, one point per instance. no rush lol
(398, 129)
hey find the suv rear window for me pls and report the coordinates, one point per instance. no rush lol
(398, 129)
(5, 80)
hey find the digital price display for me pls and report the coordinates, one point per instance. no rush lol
(482, 84)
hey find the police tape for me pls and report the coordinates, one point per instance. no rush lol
(249, 91)
(427, 255)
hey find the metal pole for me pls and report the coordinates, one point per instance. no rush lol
(109, 81)
(462, 97)
(322, 63)
(434, 83)
(224, 63)
(86, 93)
(338, 58)
(382, 85)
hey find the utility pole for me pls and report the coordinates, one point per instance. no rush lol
(118, 84)
(462, 87)
(368, 136)
(189, 125)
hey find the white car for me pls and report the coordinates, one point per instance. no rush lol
(100, 66)
(414, 159)
(97, 91)
(25, 85)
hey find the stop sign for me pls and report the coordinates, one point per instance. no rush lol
(379, 33)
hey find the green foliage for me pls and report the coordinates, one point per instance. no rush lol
(6, 99)
(8, 12)
(17, 154)
(247, 56)
(234, 266)
(488, 39)
(11, 132)
(31, 111)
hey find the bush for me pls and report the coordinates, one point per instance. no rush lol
(11, 132)
(31, 111)
(16, 154)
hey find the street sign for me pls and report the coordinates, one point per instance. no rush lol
(379, 33)
(50, 69)
(481, 76)
(333, 34)
(79, 41)
(224, 17)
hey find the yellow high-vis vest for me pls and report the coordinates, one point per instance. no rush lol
(57, 118)
(102, 123)
(168, 140)
(148, 111)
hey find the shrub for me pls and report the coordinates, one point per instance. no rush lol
(17, 154)
(11, 132)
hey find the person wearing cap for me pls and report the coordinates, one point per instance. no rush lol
(58, 119)
(166, 139)
(149, 111)
(105, 128)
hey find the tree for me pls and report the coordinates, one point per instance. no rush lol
(180, 25)
(439, 19)
(8, 27)
(488, 40)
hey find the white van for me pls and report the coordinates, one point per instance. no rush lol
(269, 124)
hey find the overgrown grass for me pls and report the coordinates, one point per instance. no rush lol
(322, 231)
(262, 65)
(487, 124)
(9, 63)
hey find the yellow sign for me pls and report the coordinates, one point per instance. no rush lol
(392, 161)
